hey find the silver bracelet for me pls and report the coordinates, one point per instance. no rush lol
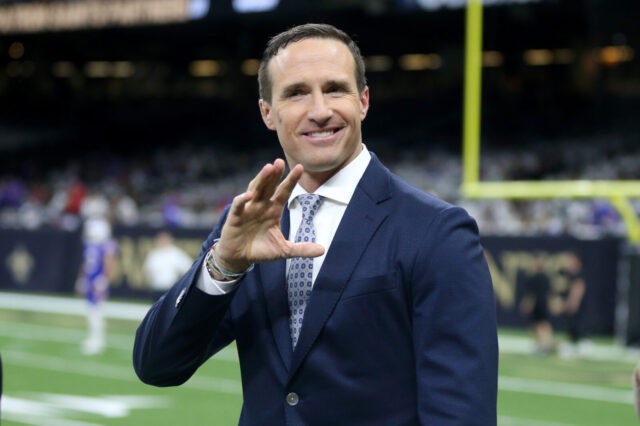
(210, 261)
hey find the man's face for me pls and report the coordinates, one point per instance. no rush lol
(315, 107)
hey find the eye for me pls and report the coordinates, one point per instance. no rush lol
(295, 93)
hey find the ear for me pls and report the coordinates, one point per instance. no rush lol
(265, 111)
(364, 103)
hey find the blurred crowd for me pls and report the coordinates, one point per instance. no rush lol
(189, 185)
(441, 173)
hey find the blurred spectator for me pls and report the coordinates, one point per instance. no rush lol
(12, 193)
(76, 195)
(165, 263)
(126, 210)
(94, 205)
(171, 210)
(184, 186)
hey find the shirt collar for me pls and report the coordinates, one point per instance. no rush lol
(341, 186)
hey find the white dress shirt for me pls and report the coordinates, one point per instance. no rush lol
(337, 192)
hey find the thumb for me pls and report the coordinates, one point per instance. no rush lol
(304, 250)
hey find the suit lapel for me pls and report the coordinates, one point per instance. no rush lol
(273, 278)
(364, 215)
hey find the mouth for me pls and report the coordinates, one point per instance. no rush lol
(323, 134)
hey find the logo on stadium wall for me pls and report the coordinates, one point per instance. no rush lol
(20, 263)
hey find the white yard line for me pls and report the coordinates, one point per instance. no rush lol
(596, 351)
(70, 306)
(566, 390)
(137, 311)
(40, 421)
(44, 333)
(97, 369)
(517, 421)
(25, 331)
(134, 311)
(59, 305)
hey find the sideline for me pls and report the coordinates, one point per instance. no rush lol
(136, 311)
(70, 306)
(133, 311)
(524, 345)
(120, 341)
(517, 421)
(565, 390)
(112, 372)
(230, 386)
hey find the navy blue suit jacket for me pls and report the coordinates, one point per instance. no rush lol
(400, 328)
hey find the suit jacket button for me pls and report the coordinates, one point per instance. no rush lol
(292, 398)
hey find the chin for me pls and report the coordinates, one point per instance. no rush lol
(322, 165)
(320, 168)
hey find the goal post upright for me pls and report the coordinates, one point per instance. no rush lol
(616, 192)
(472, 92)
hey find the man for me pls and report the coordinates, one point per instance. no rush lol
(98, 265)
(534, 305)
(165, 263)
(574, 301)
(378, 308)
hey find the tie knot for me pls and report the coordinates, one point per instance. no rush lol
(310, 204)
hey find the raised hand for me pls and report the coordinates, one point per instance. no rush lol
(252, 231)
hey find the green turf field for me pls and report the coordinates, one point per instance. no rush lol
(47, 381)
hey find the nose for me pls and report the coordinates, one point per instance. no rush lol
(320, 113)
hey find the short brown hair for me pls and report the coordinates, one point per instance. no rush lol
(301, 32)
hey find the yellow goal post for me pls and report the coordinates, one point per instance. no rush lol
(617, 192)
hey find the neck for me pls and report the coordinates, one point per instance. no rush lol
(311, 181)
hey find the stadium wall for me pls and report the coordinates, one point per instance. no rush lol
(512, 261)
(47, 261)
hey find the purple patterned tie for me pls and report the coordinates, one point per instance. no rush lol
(299, 278)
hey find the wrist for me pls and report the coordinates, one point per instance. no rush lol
(214, 273)
(218, 271)
(223, 262)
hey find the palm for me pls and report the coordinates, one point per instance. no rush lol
(252, 231)
(256, 233)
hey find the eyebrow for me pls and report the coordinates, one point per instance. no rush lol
(293, 87)
(341, 84)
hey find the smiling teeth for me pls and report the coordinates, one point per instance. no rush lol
(322, 134)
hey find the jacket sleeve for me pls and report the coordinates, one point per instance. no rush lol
(183, 328)
(454, 325)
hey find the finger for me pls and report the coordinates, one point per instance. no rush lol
(267, 180)
(271, 185)
(258, 182)
(304, 250)
(286, 187)
(238, 203)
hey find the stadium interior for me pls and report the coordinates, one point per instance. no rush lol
(108, 107)
(156, 116)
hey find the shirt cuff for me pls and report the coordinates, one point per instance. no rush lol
(211, 286)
